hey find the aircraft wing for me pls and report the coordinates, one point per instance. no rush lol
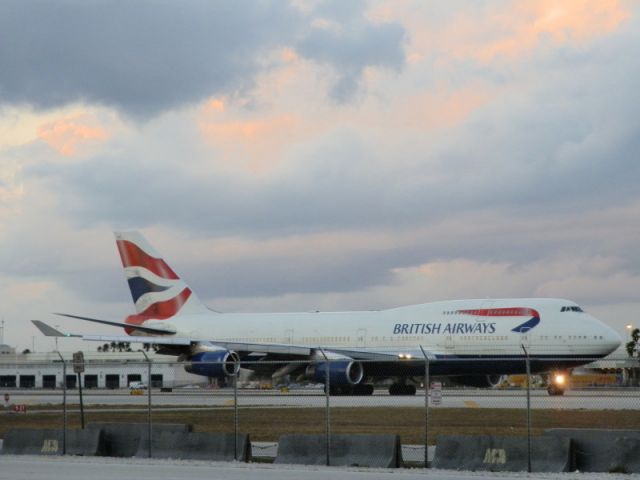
(162, 337)
(138, 339)
(49, 331)
(157, 331)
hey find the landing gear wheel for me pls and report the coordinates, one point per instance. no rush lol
(364, 389)
(402, 389)
(339, 390)
(553, 390)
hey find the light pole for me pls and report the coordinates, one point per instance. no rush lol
(64, 404)
(426, 407)
(148, 399)
(528, 368)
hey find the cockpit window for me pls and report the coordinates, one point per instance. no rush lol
(571, 308)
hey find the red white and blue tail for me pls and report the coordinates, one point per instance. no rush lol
(157, 291)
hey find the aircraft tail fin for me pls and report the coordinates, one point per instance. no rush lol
(157, 291)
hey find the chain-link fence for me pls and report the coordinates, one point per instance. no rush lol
(418, 399)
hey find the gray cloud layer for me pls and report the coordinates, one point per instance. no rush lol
(142, 57)
(147, 57)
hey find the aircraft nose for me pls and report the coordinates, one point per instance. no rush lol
(611, 338)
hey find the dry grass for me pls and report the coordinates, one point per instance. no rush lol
(267, 424)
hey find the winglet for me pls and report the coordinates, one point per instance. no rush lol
(49, 331)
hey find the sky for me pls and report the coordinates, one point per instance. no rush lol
(319, 155)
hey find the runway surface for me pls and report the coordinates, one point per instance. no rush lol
(101, 468)
(182, 398)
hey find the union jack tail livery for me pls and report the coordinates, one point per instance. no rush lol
(157, 291)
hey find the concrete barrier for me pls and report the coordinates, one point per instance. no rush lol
(124, 439)
(27, 441)
(197, 446)
(600, 450)
(502, 454)
(353, 450)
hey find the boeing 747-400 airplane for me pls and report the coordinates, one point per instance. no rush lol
(475, 340)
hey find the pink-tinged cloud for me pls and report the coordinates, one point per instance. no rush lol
(68, 134)
(502, 30)
(443, 108)
(256, 140)
(529, 23)
(253, 144)
(214, 105)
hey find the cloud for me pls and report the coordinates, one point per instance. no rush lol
(254, 144)
(142, 58)
(347, 41)
(10, 186)
(530, 24)
(67, 134)
(145, 58)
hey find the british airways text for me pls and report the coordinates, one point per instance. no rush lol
(437, 328)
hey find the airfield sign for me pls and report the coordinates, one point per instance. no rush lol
(436, 393)
(78, 362)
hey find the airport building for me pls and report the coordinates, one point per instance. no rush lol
(102, 370)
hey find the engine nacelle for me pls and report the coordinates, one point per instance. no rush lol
(214, 364)
(341, 372)
(479, 381)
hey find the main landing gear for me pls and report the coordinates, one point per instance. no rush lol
(402, 389)
(364, 389)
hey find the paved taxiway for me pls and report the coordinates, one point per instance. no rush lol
(601, 399)
(101, 468)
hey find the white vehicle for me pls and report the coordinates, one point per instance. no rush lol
(137, 386)
(477, 340)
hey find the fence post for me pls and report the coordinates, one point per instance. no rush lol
(64, 404)
(327, 394)
(528, 367)
(81, 402)
(149, 429)
(426, 407)
(235, 414)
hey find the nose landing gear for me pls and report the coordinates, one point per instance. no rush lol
(557, 383)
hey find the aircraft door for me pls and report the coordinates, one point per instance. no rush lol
(448, 343)
(361, 337)
(288, 335)
(525, 339)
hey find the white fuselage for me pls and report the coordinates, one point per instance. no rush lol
(448, 328)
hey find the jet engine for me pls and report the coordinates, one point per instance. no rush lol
(478, 381)
(341, 372)
(214, 364)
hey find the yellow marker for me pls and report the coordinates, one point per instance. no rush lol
(471, 404)
(229, 402)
